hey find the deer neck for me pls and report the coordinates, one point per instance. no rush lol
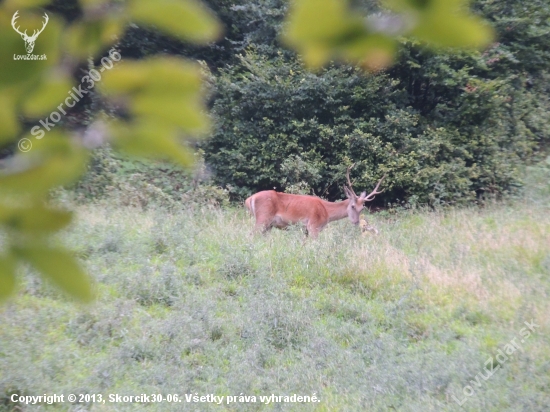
(336, 211)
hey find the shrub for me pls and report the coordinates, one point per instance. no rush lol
(129, 182)
(444, 130)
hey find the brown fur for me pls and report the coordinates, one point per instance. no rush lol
(275, 209)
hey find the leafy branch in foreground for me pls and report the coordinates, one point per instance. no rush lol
(325, 29)
(160, 99)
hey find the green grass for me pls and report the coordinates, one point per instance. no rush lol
(191, 302)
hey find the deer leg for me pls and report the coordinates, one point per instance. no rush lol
(262, 228)
(313, 230)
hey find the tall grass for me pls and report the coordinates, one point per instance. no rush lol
(192, 302)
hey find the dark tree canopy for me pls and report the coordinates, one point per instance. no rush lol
(447, 127)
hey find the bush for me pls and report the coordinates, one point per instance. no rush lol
(442, 132)
(128, 182)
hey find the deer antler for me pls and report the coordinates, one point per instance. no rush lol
(37, 32)
(374, 192)
(14, 18)
(349, 181)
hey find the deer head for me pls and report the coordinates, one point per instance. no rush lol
(29, 40)
(357, 203)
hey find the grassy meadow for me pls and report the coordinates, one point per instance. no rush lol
(188, 301)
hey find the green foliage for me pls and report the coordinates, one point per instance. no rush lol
(444, 23)
(115, 179)
(298, 175)
(444, 130)
(157, 113)
(7, 276)
(59, 266)
(54, 162)
(522, 27)
(187, 299)
(321, 30)
(187, 19)
(448, 127)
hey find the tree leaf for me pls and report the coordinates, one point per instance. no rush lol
(126, 77)
(178, 101)
(179, 111)
(320, 30)
(317, 20)
(450, 30)
(8, 119)
(185, 77)
(35, 219)
(150, 139)
(444, 23)
(7, 276)
(51, 92)
(53, 161)
(323, 29)
(150, 75)
(187, 19)
(373, 52)
(87, 38)
(60, 267)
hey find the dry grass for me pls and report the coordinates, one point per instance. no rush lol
(190, 301)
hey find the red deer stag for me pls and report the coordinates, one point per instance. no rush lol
(274, 209)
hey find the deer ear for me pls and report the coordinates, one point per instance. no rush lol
(363, 196)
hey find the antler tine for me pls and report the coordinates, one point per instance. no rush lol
(37, 32)
(15, 17)
(349, 181)
(13, 22)
(374, 192)
(46, 20)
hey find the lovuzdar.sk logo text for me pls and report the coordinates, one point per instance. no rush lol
(29, 40)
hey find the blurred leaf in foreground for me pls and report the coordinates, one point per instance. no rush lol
(153, 140)
(321, 30)
(60, 267)
(187, 19)
(88, 37)
(52, 90)
(8, 118)
(20, 73)
(34, 219)
(160, 109)
(444, 23)
(52, 162)
(7, 276)
(163, 97)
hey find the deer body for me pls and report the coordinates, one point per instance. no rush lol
(275, 209)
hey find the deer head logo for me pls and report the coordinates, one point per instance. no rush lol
(29, 40)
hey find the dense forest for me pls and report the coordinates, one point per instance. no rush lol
(448, 126)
